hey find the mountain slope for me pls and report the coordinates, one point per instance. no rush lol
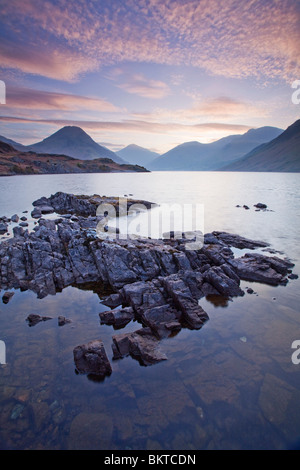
(137, 155)
(281, 154)
(74, 142)
(192, 156)
(14, 162)
(15, 145)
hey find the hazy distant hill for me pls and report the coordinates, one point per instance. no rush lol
(203, 157)
(74, 142)
(281, 154)
(137, 155)
(15, 162)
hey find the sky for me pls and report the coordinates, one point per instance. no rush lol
(155, 73)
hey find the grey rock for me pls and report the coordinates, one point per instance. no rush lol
(33, 319)
(15, 218)
(113, 300)
(36, 213)
(118, 317)
(260, 205)
(91, 359)
(141, 345)
(63, 320)
(7, 296)
(3, 227)
(225, 285)
(259, 268)
(18, 231)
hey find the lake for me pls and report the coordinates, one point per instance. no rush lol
(230, 385)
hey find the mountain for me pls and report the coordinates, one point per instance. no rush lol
(137, 155)
(15, 162)
(74, 142)
(281, 154)
(193, 156)
(14, 144)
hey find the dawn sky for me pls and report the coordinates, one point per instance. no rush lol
(156, 73)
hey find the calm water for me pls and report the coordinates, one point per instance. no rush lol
(230, 385)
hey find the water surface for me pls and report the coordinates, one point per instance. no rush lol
(230, 385)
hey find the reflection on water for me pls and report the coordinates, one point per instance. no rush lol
(230, 385)
(218, 300)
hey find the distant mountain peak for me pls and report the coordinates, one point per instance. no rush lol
(135, 154)
(74, 142)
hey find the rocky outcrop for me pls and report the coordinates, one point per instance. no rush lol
(157, 283)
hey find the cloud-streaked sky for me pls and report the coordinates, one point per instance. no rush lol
(152, 72)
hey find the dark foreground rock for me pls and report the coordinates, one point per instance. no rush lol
(157, 283)
(33, 319)
(91, 359)
(141, 345)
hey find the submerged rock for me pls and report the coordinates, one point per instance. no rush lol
(63, 320)
(7, 296)
(33, 319)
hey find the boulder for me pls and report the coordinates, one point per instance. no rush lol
(141, 345)
(15, 218)
(118, 317)
(7, 296)
(91, 359)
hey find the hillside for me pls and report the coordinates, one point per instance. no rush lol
(14, 162)
(281, 154)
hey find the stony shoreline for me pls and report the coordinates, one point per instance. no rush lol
(158, 283)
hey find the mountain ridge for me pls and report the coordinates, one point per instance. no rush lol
(281, 154)
(196, 156)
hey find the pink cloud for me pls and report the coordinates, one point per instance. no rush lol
(237, 38)
(44, 100)
(132, 125)
(140, 85)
